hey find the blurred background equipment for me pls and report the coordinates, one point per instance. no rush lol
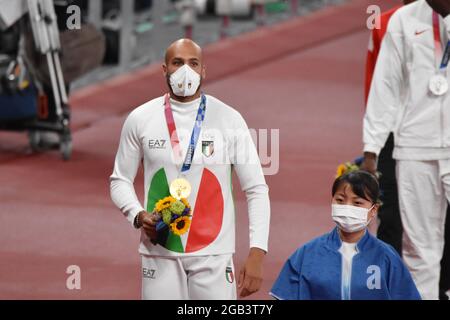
(118, 35)
(120, 21)
(137, 31)
(229, 8)
(9, 39)
(17, 95)
(11, 12)
(44, 26)
(37, 65)
(130, 24)
(188, 15)
(238, 8)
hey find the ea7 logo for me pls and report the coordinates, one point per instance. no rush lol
(157, 144)
(148, 273)
(374, 280)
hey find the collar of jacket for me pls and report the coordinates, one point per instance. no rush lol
(334, 241)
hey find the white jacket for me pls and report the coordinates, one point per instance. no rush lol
(400, 100)
(225, 145)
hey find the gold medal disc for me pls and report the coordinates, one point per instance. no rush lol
(180, 188)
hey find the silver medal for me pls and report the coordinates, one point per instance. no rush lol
(438, 85)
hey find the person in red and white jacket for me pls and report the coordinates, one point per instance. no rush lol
(390, 226)
(407, 97)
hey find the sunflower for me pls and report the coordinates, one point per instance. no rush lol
(180, 226)
(341, 170)
(185, 202)
(346, 168)
(164, 203)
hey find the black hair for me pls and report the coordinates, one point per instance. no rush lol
(363, 184)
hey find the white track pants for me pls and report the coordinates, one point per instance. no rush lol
(423, 189)
(188, 278)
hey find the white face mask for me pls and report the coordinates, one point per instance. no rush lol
(185, 81)
(350, 218)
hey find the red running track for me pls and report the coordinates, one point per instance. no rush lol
(304, 77)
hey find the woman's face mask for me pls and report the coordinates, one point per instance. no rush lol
(350, 218)
(185, 81)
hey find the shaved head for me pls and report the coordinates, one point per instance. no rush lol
(184, 52)
(183, 46)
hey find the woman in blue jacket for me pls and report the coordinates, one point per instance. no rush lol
(348, 263)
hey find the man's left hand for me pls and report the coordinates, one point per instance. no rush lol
(251, 275)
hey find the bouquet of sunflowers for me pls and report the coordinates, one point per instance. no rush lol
(347, 167)
(174, 214)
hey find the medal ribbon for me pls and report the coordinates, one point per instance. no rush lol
(438, 44)
(175, 142)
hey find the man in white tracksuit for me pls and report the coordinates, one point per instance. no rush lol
(197, 264)
(413, 68)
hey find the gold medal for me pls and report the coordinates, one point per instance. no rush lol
(180, 188)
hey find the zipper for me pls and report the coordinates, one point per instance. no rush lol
(342, 276)
(345, 294)
(349, 297)
(350, 280)
(442, 123)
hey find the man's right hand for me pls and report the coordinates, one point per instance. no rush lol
(148, 222)
(369, 163)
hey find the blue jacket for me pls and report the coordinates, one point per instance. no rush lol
(314, 271)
